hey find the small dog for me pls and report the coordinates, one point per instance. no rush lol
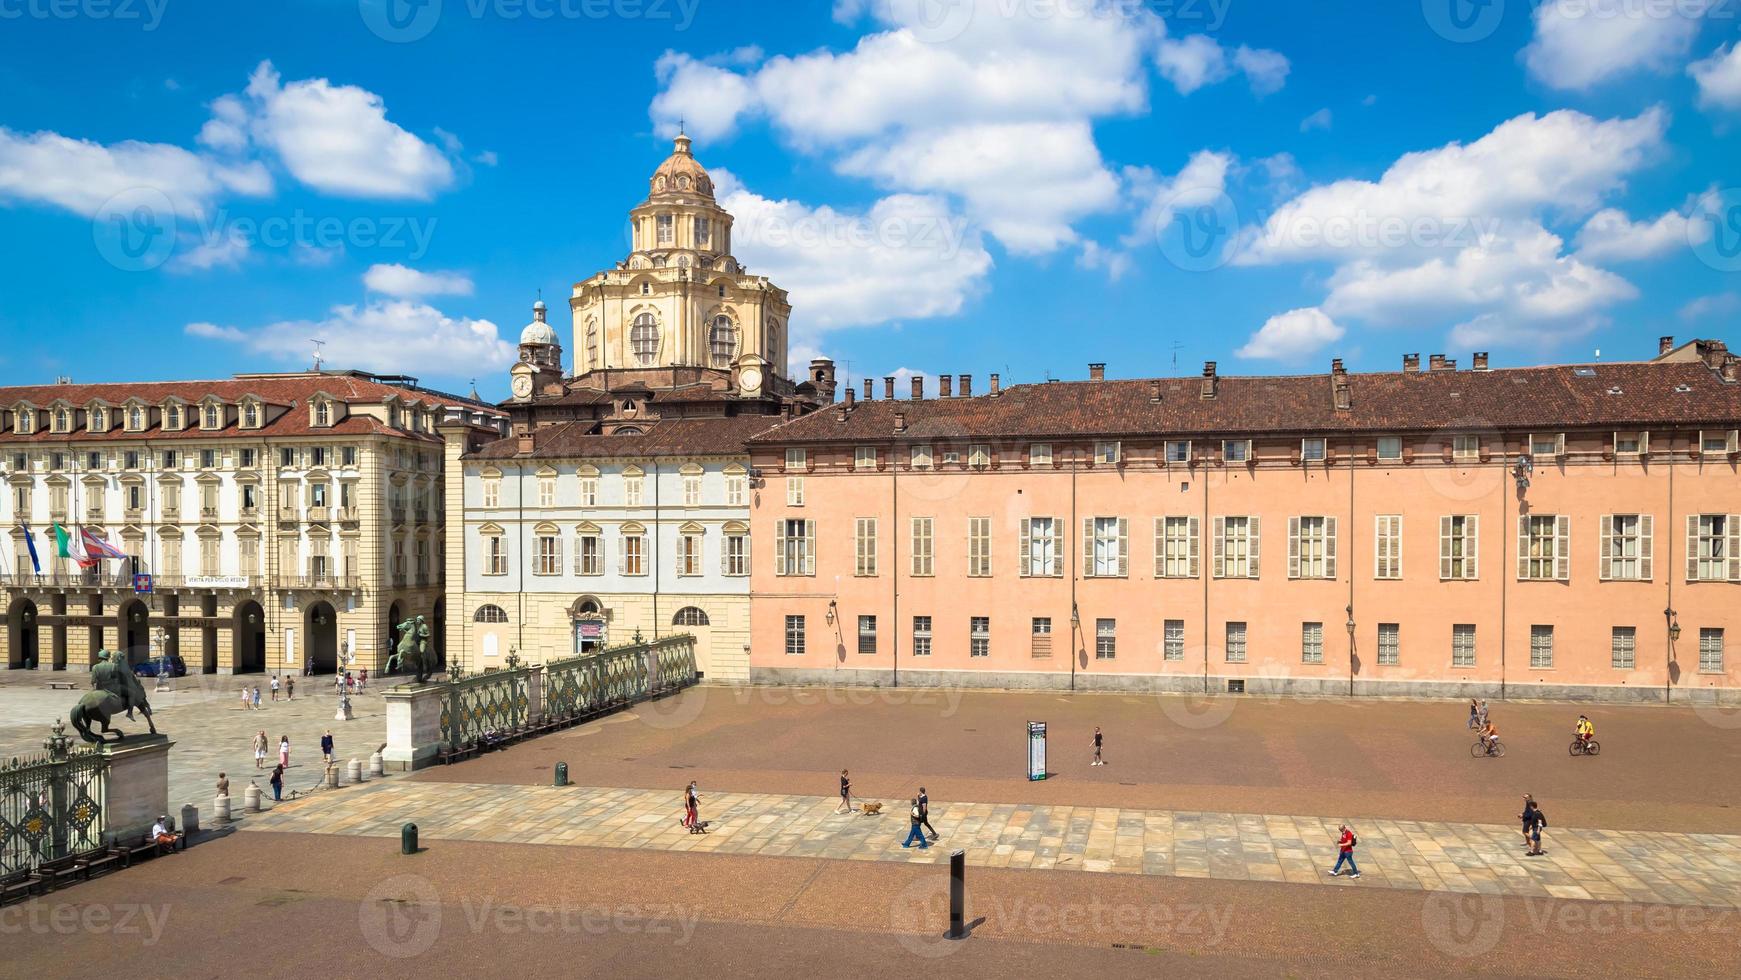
(871, 809)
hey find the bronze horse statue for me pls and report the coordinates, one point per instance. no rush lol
(115, 688)
(413, 650)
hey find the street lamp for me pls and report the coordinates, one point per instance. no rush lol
(1674, 625)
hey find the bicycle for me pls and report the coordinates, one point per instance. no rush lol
(1481, 748)
(1581, 747)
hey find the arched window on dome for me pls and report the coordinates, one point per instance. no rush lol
(592, 343)
(703, 232)
(665, 223)
(722, 341)
(644, 340)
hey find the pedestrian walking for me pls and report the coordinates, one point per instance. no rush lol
(1345, 844)
(274, 687)
(260, 749)
(1098, 761)
(692, 810)
(290, 688)
(1533, 822)
(284, 751)
(915, 834)
(326, 746)
(247, 701)
(845, 793)
(362, 680)
(1481, 715)
(925, 813)
(1474, 714)
(256, 697)
(277, 782)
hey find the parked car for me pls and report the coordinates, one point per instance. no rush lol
(170, 666)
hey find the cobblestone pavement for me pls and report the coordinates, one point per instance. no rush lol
(1644, 867)
(211, 731)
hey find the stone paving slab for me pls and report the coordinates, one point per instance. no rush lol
(1646, 867)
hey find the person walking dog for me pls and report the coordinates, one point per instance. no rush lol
(845, 793)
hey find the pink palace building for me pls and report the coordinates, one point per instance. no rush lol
(1568, 531)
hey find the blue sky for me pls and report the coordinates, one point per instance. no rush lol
(191, 189)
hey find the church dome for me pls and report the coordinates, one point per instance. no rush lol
(538, 331)
(681, 173)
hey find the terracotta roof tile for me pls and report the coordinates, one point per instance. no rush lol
(666, 437)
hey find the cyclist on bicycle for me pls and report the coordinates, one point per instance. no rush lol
(1586, 730)
(1489, 735)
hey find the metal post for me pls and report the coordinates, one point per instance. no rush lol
(957, 894)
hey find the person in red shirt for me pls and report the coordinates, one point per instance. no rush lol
(1345, 844)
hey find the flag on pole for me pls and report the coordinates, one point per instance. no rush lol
(98, 548)
(69, 545)
(30, 542)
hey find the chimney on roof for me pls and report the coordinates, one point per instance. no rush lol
(994, 385)
(1336, 366)
(889, 387)
(1097, 372)
(1411, 363)
(1210, 381)
(1340, 389)
(944, 386)
(900, 421)
(1732, 369)
(1154, 391)
(918, 387)
(967, 386)
(1436, 362)
(1664, 345)
(1480, 360)
(870, 390)
(849, 394)
(1715, 353)
(523, 442)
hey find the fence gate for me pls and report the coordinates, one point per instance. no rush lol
(51, 805)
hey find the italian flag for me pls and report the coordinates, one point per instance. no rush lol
(67, 545)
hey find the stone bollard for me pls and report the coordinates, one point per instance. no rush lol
(354, 772)
(190, 819)
(332, 776)
(251, 799)
(377, 765)
(220, 811)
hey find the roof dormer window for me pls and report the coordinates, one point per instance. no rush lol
(322, 412)
(97, 418)
(62, 420)
(26, 420)
(250, 415)
(212, 416)
(135, 418)
(171, 417)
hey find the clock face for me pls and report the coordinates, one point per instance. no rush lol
(751, 379)
(522, 385)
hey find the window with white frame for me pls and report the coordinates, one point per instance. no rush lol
(1105, 547)
(1312, 449)
(1463, 645)
(1177, 451)
(979, 456)
(589, 490)
(632, 550)
(794, 635)
(1311, 547)
(1389, 644)
(735, 556)
(1547, 445)
(644, 339)
(589, 552)
(547, 491)
(1719, 442)
(951, 457)
(1236, 450)
(689, 553)
(1042, 547)
(797, 460)
(978, 547)
(1541, 647)
(692, 489)
(492, 492)
(1235, 547)
(1713, 548)
(1623, 648)
(1235, 647)
(734, 489)
(1459, 543)
(1387, 547)
(1105, 639)
(664, 223)
(867, 634)
(864, 546)
(921, 636)
(495, 555)
(794, 491)
(920, 458)
(1465, 447)
(1711, 651)
(1544, 547)
(549, 553)
(1176, 548)
(1040, 637)
(1390, 447)
(864, 458)
(979, 636)
(1106, 452)
(1040, 454)
(921, 548)
(795, 548)
(1173, 640)
(633, 488)
(1311, 643)
(1631, 443)
(1627, 547)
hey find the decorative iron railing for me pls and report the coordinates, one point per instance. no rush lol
(594, 682)
(51, 805)
(489, 702)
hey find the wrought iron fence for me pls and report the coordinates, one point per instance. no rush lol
(586, 684)
(488, 702)
(51, 805)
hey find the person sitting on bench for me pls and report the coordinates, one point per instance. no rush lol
(160, 833)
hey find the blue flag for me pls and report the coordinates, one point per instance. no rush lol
(30, 542)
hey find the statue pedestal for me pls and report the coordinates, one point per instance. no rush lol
(413, 725)
(344, 712)
(138, 786)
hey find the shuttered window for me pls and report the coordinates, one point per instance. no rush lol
(1042, 547)
(1459, 547)
(921, 547)
(1311, 547)
(1627, 548)
(1176, 547)
(1105, 547)
(1235, 546)
(1387, 547)
(1544, 547)
(979, 547)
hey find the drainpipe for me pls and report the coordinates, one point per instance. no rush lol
(1348, 565)
(895, 553)
(1205, 568)
(656, 549)
(1076, 634)
(1669, 577)
(1505, 571)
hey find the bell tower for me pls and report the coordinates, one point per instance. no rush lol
(540, 362)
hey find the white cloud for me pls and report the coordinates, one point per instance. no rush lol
(211, 331)
(1293, 335)
(406, 283)
(1317, 120)
(1716, 304)
(1610, 236)
(221, 250)
(1492, 330)
(1719, 78)
(1191, 62)
(81, 176)
(1114, 262)
(708, 99)
(1201, 181)
(1266, 71)
(1578, 45)
(907, 257)
(337, 139)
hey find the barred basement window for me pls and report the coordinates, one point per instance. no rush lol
(1710, 651)
(1173, 640)
(1463, 645)
(1311, 643)
(1041, 644)
(867, 634)
(1541, 647)
(1624, 648)
(1389, 644)
(794, 635)
(1105, 639)
(979, 637)
(1236, 643)
(921, 636)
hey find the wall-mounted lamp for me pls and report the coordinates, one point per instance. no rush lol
(1350, 624)
(1521, 472)
(832, 606)
(1674, 625)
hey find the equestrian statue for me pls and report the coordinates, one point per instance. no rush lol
(413, 650)
(115, 688)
